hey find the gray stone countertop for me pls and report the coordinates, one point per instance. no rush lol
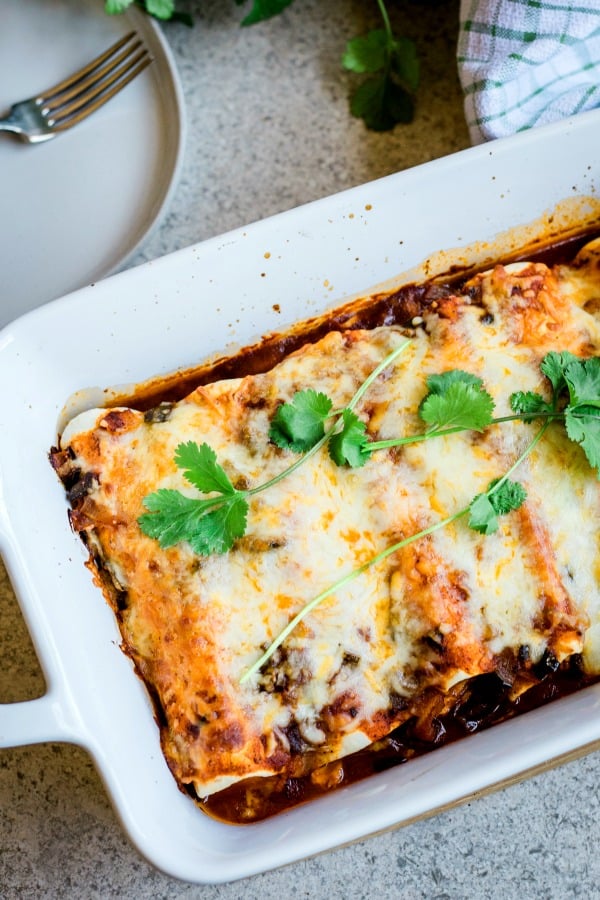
(269, 129)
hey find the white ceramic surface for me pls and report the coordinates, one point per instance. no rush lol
(74, 208)
(168, 314)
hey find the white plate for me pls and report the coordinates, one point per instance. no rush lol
(74, 208)
(170, 313)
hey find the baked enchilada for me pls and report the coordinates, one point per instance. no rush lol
(306, 560)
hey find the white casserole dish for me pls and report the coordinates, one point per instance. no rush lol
(172, 313)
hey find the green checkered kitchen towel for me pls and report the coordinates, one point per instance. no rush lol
(527, 62)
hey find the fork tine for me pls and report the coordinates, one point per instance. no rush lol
(82, 84)
(114, 77)
(81, 73)
(102, 95)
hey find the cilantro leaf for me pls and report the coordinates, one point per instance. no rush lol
(300, 424)
(367, 53)
(583, 382)
(382, 103)
(583, 427)
(221, 527)
(529, 405)
(171, 514)
(581, 378)
(486, 508)
(209, 526)
(509, 495)
(405, 63)
(263, 9)
(440, 382)
(114, 7)
(200, 468)
(458, 401)
(553, 366)
(347, 447)
(482, 515)
(160, 9)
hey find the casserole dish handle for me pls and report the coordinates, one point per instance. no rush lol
(34, 722)
(43, 719)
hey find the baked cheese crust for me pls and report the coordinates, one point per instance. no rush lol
(446, 608)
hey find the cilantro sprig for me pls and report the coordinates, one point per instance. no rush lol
(386, 97)
(456, 401)
(209, 526)
(212, 524)
(575, 400)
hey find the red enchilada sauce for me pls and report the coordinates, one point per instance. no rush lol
(484, 701)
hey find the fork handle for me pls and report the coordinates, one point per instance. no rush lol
(10, 123)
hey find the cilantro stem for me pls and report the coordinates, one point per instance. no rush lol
(389, 359)
(386, 20)
(432, 433)
(338, 585)
(379, 557)
(377, 372)
(533, 443)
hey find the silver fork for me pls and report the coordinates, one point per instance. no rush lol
(70, 101)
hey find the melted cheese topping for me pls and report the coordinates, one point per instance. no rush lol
(443, 609)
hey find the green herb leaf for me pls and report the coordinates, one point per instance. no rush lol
(209, 526)
(554, 365)
(200, 468)
(221, 527)
(381, 103)
(300, 424)
(171, 514)
(263, 9)
(405, 63)
(506, 495)
(114, 7)
(583, 427)
(501, 497)
(583, 382)
(347, 447)
(459, 401)
(482, 515)
(439, 383)
(368, 53)
(160, 9)
(529, 405)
